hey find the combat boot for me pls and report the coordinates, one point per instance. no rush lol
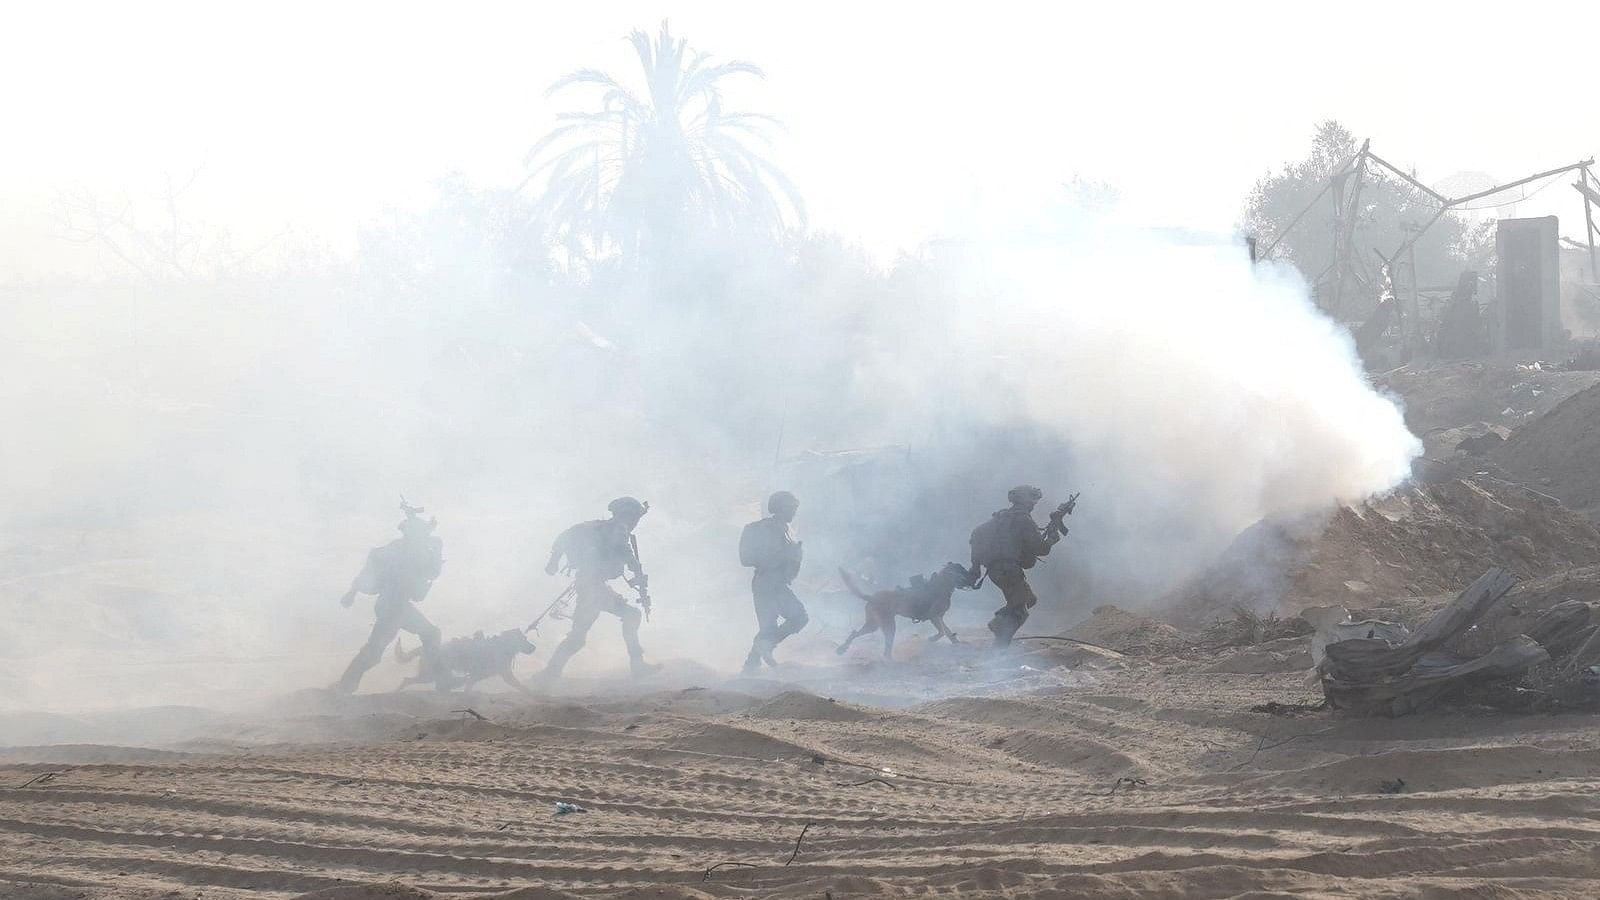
(1005, 624)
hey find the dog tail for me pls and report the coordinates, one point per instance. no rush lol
(850, 584)
(404, 655)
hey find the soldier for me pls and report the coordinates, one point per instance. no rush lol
(769, 547)
(597, 552)
(1009, 543)
(400, 573)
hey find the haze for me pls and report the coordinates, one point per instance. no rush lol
(311, 118)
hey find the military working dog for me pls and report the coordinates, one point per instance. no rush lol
(924, 599)
(463, 662)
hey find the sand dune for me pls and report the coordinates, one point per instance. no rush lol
(1014, 793)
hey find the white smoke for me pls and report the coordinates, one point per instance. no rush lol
(1187, 376)
(214, 460)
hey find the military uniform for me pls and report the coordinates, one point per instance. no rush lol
(1013, 545)
(597, 552)
(400, 573)
(769, 546)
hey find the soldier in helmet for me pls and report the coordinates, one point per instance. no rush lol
(1009, 544)
(597, 552)
(769, 546)
(400, 573)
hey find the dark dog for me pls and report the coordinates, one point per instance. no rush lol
(925, 599)
(463, 662)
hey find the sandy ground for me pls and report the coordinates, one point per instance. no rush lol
(1007, 788)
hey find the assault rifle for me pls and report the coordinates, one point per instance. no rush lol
(1057, 527)
(640, 582)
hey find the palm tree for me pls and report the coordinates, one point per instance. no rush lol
(638, 172)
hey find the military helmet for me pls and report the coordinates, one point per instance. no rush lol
(627, 506)
(1024, 493)
(782, 500)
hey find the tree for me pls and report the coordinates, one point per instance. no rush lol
(1389, 213)
(645, 168)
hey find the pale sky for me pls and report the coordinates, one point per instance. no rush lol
(316, 116)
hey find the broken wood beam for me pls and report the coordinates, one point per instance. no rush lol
(1372, 677)
(1423, 685)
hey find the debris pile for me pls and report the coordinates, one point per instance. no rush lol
(1246, 628)
(1556, 453)
(1395, 673)
(1448, 395)
(1417, 541)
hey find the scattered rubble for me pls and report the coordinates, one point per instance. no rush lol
(1449, 395)
(1418, 541)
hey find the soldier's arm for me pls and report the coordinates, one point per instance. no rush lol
(557, 550)
(366, 582)
(1030, 538)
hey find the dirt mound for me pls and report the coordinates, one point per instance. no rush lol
(1420, 540)
(802, 706)
(1556, 453)
(1128, 633)
(1450, 395)
(388, 891)
(737, 742)
(1292, 654)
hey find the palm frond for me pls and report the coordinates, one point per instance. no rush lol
(651, 162)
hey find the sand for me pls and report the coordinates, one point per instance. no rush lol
(1008, 788)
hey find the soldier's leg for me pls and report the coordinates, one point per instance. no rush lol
(631, 617)
(431, 666)
(411, 619)
(1019, 596)
(766, 623)
(792, 611)
(584, 614)
(788, 607)
(384, 631)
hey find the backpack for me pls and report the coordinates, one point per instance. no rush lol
(988, 543)
(749, 549)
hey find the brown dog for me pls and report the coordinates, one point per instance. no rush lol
(925, 599)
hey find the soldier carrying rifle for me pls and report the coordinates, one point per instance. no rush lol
(1009, 543)
(597, 552)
